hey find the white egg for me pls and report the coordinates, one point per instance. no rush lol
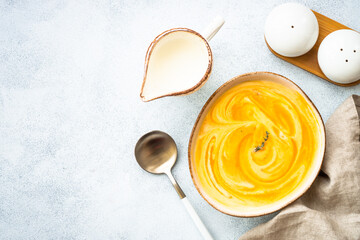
(291, 29)
(339, 56)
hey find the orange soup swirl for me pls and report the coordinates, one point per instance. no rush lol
(256, 144)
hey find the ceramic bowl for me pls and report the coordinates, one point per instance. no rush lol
(295, 194)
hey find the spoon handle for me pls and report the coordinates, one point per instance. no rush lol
(195, 217)
(176, 185)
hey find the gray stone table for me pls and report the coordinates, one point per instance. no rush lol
(70, 113)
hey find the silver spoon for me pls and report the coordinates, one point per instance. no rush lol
(156, 153)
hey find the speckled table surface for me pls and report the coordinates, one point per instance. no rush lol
(70, 113)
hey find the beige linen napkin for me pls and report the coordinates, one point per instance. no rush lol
(330, 209)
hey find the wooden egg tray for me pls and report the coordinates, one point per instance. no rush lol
(309, 61)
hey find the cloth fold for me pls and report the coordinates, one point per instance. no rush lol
(330, 209)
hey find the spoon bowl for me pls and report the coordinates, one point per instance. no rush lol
(156, 152)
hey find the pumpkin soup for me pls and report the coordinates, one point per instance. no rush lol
(256, 145)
